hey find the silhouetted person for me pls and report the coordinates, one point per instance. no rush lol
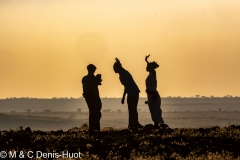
(132, 91)
(90, 84)
(154, 99)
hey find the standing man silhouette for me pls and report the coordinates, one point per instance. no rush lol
(90, 84)
(132, 91)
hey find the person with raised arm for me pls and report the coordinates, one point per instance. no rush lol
(132, 91)
(154, 99)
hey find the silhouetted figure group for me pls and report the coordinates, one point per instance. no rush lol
(91, 94)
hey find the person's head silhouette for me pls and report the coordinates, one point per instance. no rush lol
(151, 66)
(91, 68)
(117, 66)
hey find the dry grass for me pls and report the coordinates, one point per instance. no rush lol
(147, 143)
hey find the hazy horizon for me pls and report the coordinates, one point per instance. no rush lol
(53, 114)
(45, 46)
(196, 96)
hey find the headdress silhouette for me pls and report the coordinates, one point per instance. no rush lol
(117, 64)
(153, 64)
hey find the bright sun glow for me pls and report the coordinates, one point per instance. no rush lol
(45, 46)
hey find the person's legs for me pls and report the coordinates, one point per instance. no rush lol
(90, 103)
(160, 110)
(150, 106)
(91, 118)
(98, 114)
(132, 101)
(155, 109)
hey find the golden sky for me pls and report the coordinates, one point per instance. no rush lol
(45, 46)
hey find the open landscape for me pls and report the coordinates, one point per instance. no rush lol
(54, 53)
(64, 114)
(199, 128)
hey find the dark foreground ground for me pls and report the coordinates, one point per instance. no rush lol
(147, 143)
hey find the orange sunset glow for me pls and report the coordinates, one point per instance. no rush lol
(45, 46)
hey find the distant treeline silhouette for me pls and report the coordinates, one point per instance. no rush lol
(197, 96)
